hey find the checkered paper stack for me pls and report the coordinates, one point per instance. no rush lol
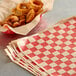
(48, 53)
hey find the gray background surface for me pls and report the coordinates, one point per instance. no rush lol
(62, 9)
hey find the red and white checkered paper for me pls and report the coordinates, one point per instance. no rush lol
(53, 50)
(23, 61)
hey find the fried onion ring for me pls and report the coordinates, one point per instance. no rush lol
(30, 16)
(16, 12)
(37, 4)
(22, 7)
(39, 11)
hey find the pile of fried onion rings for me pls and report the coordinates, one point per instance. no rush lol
(24, 13)
(30, 10)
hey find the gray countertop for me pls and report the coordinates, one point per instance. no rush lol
(62, 9)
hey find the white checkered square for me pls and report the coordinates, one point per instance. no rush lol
(49, 41)
(28, 52)
(74, 43)
(54, 59)
(39, 46)
(74, 54)
(64, 59)
(50, 71)
(57, 47)
(61, 31)
(21, 43)
(37, 52)
(43, 64)
(45, 58)
(53, 64)
(31, 39)
(60, 37)
(42, 35)
(73, 59)
(71, 72)
(62, 65)
(48, 47)
(56, 53)
(46, 52)
(52, 30)
(40, 41)
(63, 26)
(69, 37)
(61, 71)
(67, 48)
(68, 42)
(72, 65)
(71, 27)
(70, 32)
(58, 42)
(29, 45)
(72, 21)
(74, 48)
(65, 53)
(35, 58)
(51, 36)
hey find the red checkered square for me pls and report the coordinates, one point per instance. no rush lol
(42, 49)
(39, 61)
(41, 55)
(33, 49)
(45, 38)
(47, 67)
(47, 33)
(57, 28)
(35, 43)
(67, 24)
(36, 37)
(44, 44)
